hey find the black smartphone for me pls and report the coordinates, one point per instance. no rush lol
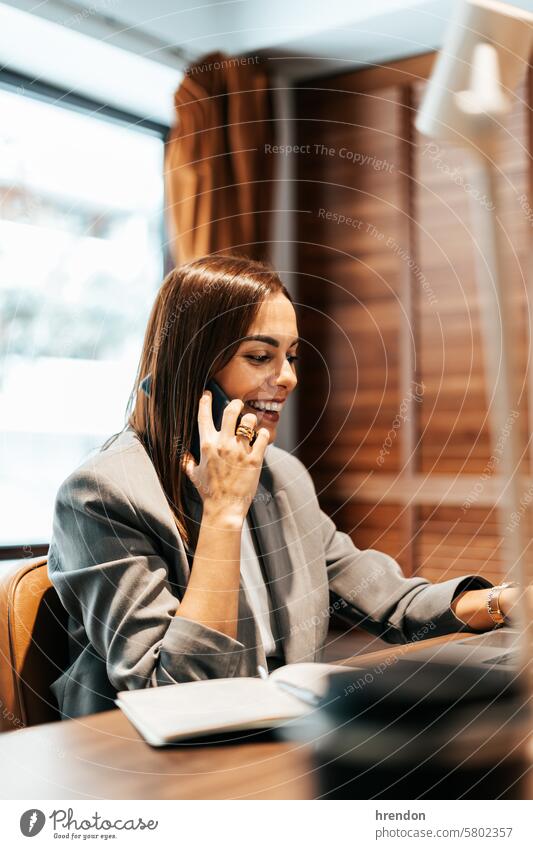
(219, 403)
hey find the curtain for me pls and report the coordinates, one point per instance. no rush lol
(218, 167)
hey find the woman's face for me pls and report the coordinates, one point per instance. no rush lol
(262, 371)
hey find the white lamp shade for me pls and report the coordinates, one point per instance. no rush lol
(463, 71)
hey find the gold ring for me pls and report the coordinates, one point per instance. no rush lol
(249, 432)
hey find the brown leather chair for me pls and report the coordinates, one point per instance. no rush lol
(33, 644)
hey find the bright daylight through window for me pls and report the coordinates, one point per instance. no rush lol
(81, 202)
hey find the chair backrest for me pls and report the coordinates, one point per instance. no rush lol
(33, 644)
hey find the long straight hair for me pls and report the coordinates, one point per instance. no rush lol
(200, 315)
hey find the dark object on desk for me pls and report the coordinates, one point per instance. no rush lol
(419, 731)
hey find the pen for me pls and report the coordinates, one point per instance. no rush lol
(300, 693)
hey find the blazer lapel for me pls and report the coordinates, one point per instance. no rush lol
(248, 632)
(287, 575)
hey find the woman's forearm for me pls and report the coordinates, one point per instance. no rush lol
(471, 608)
(226, 478)
(212, 594)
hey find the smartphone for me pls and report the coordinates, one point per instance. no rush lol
(219, 403)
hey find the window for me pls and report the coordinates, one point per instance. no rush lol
(81, 201)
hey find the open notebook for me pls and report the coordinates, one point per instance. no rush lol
(176, 712)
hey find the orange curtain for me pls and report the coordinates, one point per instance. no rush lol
(218, 168)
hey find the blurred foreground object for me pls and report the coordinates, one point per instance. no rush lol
(419, 730)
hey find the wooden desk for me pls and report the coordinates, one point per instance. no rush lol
(103, 757)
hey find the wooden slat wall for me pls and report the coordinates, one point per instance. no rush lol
(452, 543)
(392, 406)
(349, 286)
(375, 525)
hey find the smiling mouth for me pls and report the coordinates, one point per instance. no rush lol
(266, 411)
(266, 406)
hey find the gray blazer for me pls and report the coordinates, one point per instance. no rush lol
(120, 568)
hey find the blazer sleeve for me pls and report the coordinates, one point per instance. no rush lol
(110, 577)
(377, 596)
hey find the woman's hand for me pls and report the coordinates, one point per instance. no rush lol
(510, 603)
(228, 473)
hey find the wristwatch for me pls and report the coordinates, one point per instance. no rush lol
(493, 603)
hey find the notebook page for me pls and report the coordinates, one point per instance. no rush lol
(310, 676)
(149, 734)
(199, 707)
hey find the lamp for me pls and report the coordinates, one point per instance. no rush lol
(485, 55)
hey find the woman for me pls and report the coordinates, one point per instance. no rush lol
(175, 571)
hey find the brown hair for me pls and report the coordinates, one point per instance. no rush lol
(201, 312)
